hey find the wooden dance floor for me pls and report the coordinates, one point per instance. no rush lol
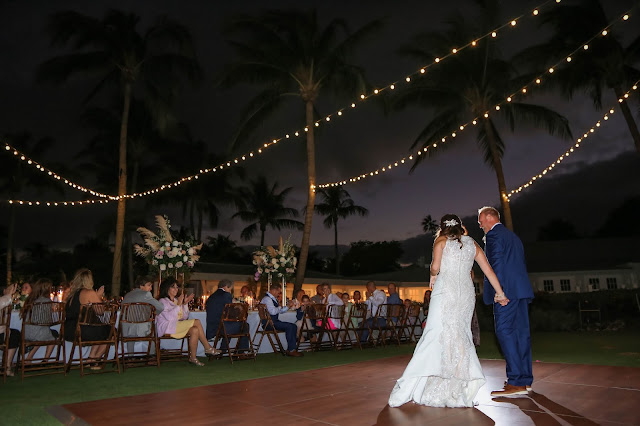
(356, 394)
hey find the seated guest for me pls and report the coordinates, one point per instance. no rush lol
(329, 300)
(407, 305)
(40, 292)
(14, 335)
(375, 298)
(174, 320)
(299, 295)
(394, 297)
(81, 292)
(357, 297)
(345, 299)
(274, 308)
(215, 307)
(140, 294)
(304, 301)
(319, 295)
(245, 292)
(26, 289)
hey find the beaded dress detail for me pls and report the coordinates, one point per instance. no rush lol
(444, 370)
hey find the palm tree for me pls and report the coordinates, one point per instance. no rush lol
(469, 85)
(16, 178)
(124, 58)
(337, 203)
(203, 198)
(293, 56)
(429, 226)
(263, 205)
(607, 65)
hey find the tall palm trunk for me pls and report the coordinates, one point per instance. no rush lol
(263, 228)
(12, 225)
(335, 246)
(122, 190)
(497, 166)
(311, 198)
(130, 235)
(628, 116)
(191, 220)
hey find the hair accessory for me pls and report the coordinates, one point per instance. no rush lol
(451, 222)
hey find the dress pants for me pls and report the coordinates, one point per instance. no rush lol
(369, 322)
(290, 331)
(236, 328)
(514, 336)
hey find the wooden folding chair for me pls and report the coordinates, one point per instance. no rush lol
(167, 354)
(357, 323)
(266, 327)
(335, 326)
(5, 321)
(45, 314)
(235, 313)
(135, 319)
(313, 327)
(411, 324)
(392, 314)
(91, 316)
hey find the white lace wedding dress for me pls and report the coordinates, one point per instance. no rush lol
(445, 370)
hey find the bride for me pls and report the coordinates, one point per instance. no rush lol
(445, 370)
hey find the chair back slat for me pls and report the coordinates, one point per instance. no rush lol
(137, 313)
(335, 312)
(5, 316)
(98, 314)
(315, 311)
(236, 312)
(393, 311)
(45, 314)
(358, 311)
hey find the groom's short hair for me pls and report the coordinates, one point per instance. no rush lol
(489, 211)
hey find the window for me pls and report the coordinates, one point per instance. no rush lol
(594, 283)
(612, 283)
(547, 285)
(565, 285)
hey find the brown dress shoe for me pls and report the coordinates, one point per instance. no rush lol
(510, 390)
(528, 386)
(294, 353)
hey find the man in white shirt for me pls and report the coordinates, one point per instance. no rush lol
(331, 299)
(375, 298)
(274, 308)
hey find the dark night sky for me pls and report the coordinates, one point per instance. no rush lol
(456, 181)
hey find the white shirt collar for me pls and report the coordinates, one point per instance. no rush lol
(494, 225)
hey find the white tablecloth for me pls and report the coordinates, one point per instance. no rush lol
(253, 321)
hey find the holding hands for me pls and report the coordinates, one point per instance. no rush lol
(501, 299)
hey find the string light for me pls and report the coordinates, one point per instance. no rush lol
(339, 113)
(579, 142)
(31, 162)
(363, 97)
(497, 107)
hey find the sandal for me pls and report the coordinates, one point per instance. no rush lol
(213, 351)
(196, 362)
(96, 367)
(10, 372)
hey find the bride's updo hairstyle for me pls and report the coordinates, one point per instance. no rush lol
(451, 227)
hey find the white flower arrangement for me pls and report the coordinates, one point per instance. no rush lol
(165, 254)
(281, 262)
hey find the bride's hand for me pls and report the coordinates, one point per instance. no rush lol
(432, 281)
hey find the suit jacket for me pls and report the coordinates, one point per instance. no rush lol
(140, 296)
(505, 254)
(215, 306)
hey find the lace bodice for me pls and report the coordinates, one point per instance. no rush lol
(456, 264)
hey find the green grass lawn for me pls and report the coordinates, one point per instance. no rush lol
(26, 401)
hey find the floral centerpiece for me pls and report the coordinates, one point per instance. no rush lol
(163, 253)
(281, 263)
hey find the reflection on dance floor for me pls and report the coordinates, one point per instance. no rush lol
(356, 394)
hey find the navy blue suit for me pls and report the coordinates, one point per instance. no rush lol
(290, 329)
(505, 253)
(214, 306)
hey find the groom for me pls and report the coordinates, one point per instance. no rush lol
(505, 253)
